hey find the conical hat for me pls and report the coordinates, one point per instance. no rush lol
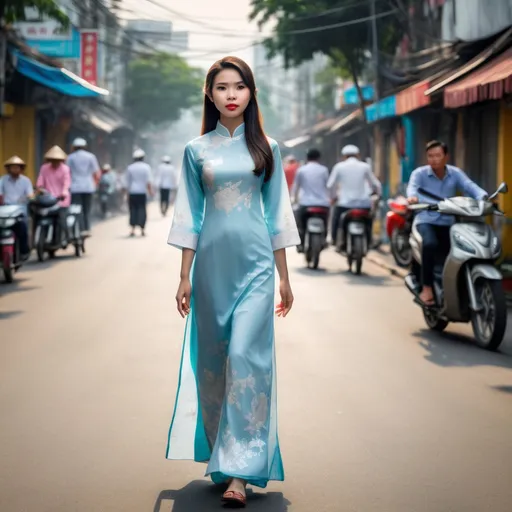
(14, 160)
(55, 153)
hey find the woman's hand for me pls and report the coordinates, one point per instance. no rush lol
(285, 291)
(183, 297)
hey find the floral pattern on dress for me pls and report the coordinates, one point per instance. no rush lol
(236, 453)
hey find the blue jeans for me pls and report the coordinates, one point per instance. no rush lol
(436, 244)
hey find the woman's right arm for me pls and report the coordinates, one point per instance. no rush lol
(187, 224)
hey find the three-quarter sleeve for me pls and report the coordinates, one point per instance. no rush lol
(189, 205)
(277, 207)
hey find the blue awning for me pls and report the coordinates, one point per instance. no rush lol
(386, 107)
(58, 79)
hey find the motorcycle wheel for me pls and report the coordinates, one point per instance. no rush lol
(103, 209)
(316, 249)
(77, 240)
(358, 253)
(7, 267)
(41, 242)
(402, 252)
(433, 321)
(490, 323)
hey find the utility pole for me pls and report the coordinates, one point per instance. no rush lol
(375, 49)
(3, 56)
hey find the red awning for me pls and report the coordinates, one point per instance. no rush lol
(413, 97)
(490, 82)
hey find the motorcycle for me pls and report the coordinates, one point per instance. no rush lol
(315, 234)
(398, 228)
(45, 210)
(10, 215)
(104, 198)
(467, 285)
(354, 234)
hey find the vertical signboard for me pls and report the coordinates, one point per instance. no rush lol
(89, 55)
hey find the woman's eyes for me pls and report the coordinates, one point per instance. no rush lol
(223, 88)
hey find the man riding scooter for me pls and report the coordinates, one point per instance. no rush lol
(310, 189)
(15, 189)
(349, 183)
(443, 181)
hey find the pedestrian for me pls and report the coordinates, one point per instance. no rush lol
(167, 182)
(85, 174)
(55, 178)
(290, 170)
(138, 185)
(16, 189)
(233, 221)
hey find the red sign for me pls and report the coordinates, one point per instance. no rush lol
(89, 55)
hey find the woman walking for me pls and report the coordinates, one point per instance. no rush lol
(138, 183)
(233, 221)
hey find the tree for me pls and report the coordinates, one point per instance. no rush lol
(340, 29)
(14, 10)
(159, 87)
(327, 80)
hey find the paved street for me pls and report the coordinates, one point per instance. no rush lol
(376, 413)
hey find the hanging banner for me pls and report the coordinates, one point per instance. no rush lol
(89, 55)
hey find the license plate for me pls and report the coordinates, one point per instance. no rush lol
(7, 241)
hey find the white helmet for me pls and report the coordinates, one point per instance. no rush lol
(79, 143)
(166, 159)
(138, 154)
(350, 150)
(107, 167)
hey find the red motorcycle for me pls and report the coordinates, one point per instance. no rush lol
(398, 227)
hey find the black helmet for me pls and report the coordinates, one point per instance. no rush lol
(313, 154)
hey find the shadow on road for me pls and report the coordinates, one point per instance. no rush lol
(451, 349)
(34, 265)
(503, 389)
(5, 315)
(18, 286)
(202, 496)
(361, 280)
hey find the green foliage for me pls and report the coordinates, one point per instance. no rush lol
(327, 79)
(14, 10)
(159, 87)
(348, 45)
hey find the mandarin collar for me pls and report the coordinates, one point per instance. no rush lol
(221, 130)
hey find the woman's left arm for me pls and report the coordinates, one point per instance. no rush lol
(281, 225)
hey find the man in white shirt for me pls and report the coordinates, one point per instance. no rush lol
(138, 185)
(351, 182)
(16, 189)
(85, 174)
(310, 189)
(167, 182)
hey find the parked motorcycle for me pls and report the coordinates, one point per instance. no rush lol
(9, 243)
(467, 285)
(315, 234)
(398, 227)
(104, 198)
(48, 237)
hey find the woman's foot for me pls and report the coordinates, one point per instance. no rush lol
(235, 496)
(427, 296)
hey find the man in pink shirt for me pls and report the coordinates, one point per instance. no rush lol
(55, 178)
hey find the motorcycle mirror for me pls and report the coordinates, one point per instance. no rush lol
(502, 189)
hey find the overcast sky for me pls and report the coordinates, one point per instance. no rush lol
(209, 23)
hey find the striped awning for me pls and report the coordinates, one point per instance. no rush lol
(490, 82)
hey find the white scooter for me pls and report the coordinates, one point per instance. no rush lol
(467, 286)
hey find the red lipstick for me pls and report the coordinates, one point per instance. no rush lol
(232, 106)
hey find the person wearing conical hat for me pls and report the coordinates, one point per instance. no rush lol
(15, 188)
(55, 178)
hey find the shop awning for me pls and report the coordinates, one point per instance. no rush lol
(345, 121)
(103, 118)
(382, 109)
(58, 79)
(297, 141)
(412, 98)
(474, 63)
(490, 82)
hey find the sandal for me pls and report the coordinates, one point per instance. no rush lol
(233, 499)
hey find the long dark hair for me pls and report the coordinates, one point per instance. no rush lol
(257, 142)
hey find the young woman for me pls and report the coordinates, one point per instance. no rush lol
(233, 221)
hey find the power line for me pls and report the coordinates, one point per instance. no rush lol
(341, 24)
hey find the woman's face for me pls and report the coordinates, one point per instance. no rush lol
(230, 94)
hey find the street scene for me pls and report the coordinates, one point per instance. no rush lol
(256, 255)
(375, 411)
